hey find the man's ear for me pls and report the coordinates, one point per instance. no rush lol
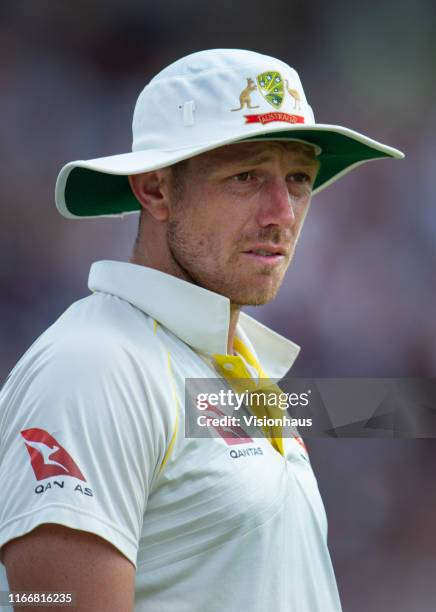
(151, 192)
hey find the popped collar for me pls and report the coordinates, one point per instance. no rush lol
(197, 316)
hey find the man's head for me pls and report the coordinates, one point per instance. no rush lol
(200, 108)
(227, 220)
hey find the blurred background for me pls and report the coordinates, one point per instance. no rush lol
(360, 296)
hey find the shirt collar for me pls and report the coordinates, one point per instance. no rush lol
(197, 316)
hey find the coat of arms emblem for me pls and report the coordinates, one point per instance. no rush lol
(271, 87)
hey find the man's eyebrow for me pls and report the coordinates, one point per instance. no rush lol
(254, 160)
(261, 159)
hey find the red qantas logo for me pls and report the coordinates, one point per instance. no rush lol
(48, 457)
(231, 434)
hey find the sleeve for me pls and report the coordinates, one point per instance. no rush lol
(83, 433)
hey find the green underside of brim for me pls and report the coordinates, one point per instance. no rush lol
(89, 193)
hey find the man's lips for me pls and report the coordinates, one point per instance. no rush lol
(266, 253)
(267, 249)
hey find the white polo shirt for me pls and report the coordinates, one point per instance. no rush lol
(92, 437)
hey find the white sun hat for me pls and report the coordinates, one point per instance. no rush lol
(203, 101)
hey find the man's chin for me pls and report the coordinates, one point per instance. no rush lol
(253, 298)
(255, 294)
(245, 292)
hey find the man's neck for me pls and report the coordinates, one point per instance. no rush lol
(140, 257)
(235, 309)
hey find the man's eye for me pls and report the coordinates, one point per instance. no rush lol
(242, 177)
(300, 177)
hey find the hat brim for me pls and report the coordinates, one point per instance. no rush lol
(100, 187)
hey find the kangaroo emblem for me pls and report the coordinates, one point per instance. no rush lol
(294, 93)
(245, 97)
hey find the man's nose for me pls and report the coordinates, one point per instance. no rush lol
(277, 206)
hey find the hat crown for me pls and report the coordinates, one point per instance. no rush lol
(215, 59)
(208, 94)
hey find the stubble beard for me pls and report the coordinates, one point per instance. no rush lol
(187, 255)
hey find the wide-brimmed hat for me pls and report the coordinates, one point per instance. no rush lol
(203, 101)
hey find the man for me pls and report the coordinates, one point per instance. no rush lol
(105, 497)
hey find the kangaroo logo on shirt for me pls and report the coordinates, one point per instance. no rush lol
(48, 457)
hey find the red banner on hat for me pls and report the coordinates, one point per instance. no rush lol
(270, 117)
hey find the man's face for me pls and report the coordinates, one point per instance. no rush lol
(236, 219)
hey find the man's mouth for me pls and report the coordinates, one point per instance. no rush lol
(266, 254)
(262, 252)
